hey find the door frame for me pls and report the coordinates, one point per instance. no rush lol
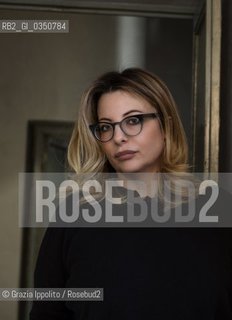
(211, 17)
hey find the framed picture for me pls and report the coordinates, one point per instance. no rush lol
(47, 143)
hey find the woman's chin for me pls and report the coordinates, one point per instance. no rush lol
(129, 169)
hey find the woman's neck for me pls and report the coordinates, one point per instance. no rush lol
(144, 183)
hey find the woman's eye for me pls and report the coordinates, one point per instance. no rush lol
(104, 128)
(133, 121)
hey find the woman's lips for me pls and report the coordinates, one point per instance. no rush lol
(125, 155)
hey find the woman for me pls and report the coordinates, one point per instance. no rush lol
(145, 91)
(128, 123)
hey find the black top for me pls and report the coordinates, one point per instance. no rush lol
(146, 273)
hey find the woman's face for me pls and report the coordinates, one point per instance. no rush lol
(130, 154)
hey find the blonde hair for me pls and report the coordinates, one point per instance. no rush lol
(84, 152)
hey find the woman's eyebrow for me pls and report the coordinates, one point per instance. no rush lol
(125, 114)
(128, 112)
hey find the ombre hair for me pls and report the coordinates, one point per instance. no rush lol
(84, 152)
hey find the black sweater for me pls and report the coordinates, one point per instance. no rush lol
(146, 273)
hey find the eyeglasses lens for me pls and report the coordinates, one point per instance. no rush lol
(104, 132)
(132, 126)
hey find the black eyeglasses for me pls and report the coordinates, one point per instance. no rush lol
(131, 126)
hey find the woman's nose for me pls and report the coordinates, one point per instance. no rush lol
(119, 135)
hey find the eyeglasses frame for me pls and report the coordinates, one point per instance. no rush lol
(141, 117)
